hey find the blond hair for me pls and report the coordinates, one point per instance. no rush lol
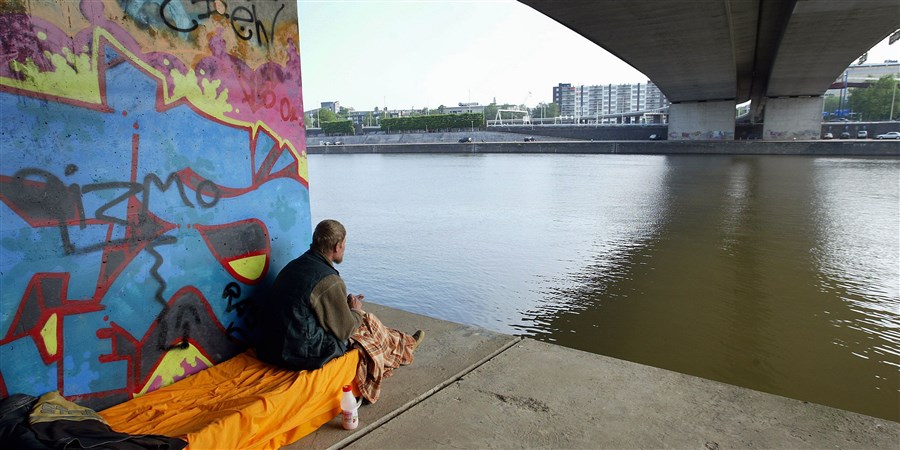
(328, 233)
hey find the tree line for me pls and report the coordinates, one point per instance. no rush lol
(874, 103)
(420, 120)
(433, 122)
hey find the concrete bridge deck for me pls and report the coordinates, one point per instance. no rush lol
(473, 388)
(708, 56)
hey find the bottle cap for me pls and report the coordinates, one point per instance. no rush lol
(347, 388)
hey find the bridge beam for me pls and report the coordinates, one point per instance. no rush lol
(709, 50)
(702, 121)
(789, 118)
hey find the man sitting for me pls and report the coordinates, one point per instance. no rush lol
(310, 319)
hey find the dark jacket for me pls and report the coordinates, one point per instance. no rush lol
(50, 422)
(290, 334)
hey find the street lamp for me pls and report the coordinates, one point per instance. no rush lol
(894, 90)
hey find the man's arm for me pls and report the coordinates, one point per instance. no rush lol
(329, 303)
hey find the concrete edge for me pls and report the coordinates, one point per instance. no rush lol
(422, 397)
(839, 148)
(533, 394)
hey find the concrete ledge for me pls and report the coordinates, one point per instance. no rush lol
(538, 395)
(473, 388)
(450, 350)
(812, 148)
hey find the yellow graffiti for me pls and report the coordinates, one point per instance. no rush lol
(171, 368)
(48, 333)
(75, 77)
(250, 267)
(203, 94)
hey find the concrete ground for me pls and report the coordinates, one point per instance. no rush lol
(473, 388)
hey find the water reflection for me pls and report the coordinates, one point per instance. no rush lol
(858, 255)
(725, 287)
(775, 273)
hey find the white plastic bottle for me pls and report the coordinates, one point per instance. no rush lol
(349, 409)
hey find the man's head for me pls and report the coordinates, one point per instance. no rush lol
(329, 240)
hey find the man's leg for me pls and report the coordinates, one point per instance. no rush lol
(383, 350)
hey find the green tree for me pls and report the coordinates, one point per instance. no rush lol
(490, 111)
(874, 102)
(432, 122)
(831, 105)
(552, 110)
(545, 110)
(370, 119)
(325, 115)
(338, 127)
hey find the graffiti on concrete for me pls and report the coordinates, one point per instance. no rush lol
(715, 135)
(143, 191)
(245, 21)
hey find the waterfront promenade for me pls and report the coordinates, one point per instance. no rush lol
(473, 388)
(496, 142)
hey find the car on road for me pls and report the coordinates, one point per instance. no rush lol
(828, 136)
(465, 140)
(845, 135)
(529, 139)
(889, 135)
(862, 134)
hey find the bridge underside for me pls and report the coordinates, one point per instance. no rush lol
(729, 51)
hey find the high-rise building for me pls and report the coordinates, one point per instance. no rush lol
(602, 102)
(558, 92)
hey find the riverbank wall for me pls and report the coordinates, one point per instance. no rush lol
(810, 148)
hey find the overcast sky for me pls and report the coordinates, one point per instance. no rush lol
(418, 53)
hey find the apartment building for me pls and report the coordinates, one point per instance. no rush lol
(602, 102)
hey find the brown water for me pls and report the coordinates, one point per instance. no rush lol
(781, 274)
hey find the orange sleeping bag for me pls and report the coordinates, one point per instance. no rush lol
(240, 403)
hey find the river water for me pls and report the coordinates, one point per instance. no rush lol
(776, 273)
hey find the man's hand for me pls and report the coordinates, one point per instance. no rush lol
(355, 301)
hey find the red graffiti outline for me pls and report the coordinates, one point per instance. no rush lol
(176, 339)
(66, 308)
(267, 251)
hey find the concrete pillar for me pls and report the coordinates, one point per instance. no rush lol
(76, 127)
(702, 121)
(790, 118)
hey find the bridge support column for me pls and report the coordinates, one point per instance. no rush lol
(789, 118)
(701, 121)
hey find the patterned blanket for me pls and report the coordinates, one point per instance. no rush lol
(382, 349)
